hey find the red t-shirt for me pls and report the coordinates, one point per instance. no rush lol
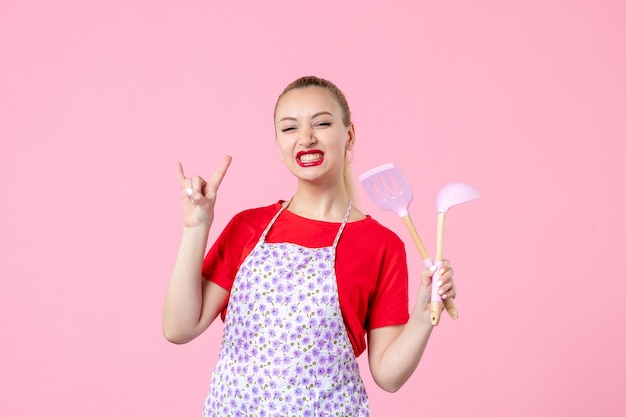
(371, 268)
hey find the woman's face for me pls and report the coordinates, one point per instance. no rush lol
(311, 135)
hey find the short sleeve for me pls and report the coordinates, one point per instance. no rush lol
(220, 263)
(233, 245)
(389, 302)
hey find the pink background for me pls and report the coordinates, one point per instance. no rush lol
(524, 100)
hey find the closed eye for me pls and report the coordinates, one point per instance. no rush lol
(287, 129)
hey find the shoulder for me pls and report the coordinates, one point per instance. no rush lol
(373, 242)
(373, 230)
(257, 213)
(247, 223)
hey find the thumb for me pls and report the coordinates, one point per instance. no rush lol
(427, 274)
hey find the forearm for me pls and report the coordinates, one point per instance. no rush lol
(392, 367)
(183, 301)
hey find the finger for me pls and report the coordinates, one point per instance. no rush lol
(197, 184)
(184, 182)
(187, 187)
(189, 192)
(427, 273)
(449, 295)
(180, 174)
(445, 270)
(218, 176)
(445, 265)
(447, 290)
(445, 279)
(186, 190)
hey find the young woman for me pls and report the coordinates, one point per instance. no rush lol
(299, 283)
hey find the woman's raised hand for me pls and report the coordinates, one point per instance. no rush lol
(198, 196)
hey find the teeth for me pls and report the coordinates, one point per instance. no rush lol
(310, 157)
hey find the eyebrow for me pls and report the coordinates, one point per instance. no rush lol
(313, 117)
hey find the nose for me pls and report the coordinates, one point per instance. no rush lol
(307, 137)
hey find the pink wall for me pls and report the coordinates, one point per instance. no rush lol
(525, 101)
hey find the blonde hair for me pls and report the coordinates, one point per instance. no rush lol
(340, 98)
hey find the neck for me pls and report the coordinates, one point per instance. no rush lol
(319, 203)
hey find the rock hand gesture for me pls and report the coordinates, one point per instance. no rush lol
(198, 196)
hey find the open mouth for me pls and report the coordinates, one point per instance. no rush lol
(310, 158)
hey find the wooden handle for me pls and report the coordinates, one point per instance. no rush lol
(448, 303)
(436, 307)
(416, 238)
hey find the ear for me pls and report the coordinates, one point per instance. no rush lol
(351, 138)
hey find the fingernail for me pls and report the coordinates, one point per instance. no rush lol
(440, 292)
(443, 297)
(432, 268)
(441, 272)
(439, 283)
(189, 191)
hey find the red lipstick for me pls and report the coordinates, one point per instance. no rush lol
(310, 158)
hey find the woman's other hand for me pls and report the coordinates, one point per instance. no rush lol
(198, 196)
(447, 289)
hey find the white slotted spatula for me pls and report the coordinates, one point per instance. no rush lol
(389, 189)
